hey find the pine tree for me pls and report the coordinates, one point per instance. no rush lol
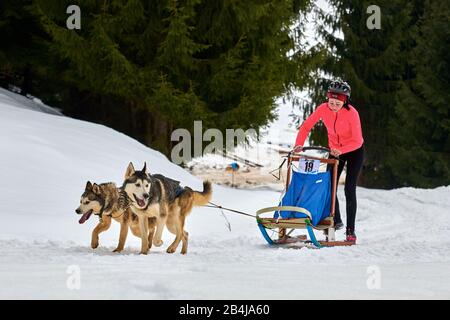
(22, 47)
(422, 126)
(374, 62)
(173, 62)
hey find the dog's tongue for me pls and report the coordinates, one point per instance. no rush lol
(140, 202)
(84, 217)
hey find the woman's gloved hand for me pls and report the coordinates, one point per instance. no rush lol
(335, 152)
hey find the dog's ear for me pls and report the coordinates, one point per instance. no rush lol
(144, 169)
(88, 186)
(96, 188)
(130, 171)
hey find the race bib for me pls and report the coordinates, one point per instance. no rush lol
(309, 166)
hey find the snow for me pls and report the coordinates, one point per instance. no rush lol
(46, 160)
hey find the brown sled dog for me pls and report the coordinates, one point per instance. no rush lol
(180, 208)
(162, 198)
(109, 202)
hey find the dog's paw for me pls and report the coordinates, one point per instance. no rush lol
(183, 251)
(158, 243)
(118, 250)
(170, 250)
(94, 245)
(143, 252)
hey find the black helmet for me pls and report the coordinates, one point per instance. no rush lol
(341, 87)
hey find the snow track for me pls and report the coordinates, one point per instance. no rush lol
(46, 160)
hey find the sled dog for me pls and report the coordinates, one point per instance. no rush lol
(154, 195)
(109, 202)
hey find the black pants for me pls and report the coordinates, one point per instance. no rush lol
(354, 160)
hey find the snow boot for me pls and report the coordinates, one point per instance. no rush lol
(351, 236)
(338, 225)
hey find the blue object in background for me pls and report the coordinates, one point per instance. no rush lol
(309, 191)
(234, 166)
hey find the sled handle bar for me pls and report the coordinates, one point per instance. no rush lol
(310, 148)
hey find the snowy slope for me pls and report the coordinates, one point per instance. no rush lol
(46, 160)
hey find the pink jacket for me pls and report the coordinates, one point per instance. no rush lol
(343, 127)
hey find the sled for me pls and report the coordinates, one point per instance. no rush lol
(317, 204)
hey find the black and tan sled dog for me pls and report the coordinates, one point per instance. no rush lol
(156, 196)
